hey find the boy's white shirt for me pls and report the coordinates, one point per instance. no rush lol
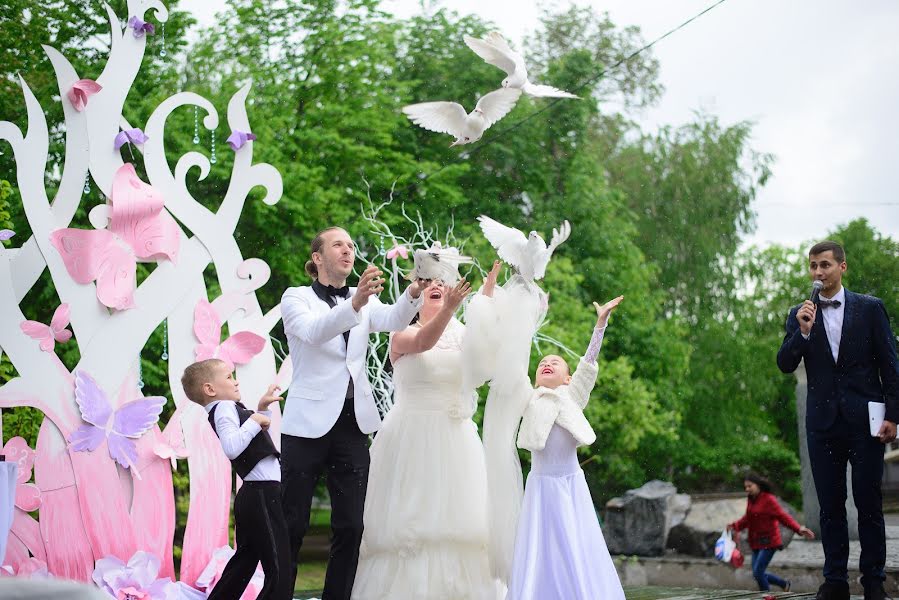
(235, 438)
(563, 405)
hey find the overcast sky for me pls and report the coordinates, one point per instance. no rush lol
(820, 78)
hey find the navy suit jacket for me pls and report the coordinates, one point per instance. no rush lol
(866, 369)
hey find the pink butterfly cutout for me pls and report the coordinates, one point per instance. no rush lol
(239, 348)
(139, 228)
(80, 91)
(28, 495)
(171, 448)
(49, 334)
(119, 428)
(397, 250)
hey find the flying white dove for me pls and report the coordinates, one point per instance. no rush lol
(451, 118)
(530, 254)
(437, 262)
(495, 50)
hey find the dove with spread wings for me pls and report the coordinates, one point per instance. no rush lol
(438, 262)
(451, 118)
(496, 51)
(530, 254)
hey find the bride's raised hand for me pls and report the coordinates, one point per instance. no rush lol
(453, 297)
(603, 312)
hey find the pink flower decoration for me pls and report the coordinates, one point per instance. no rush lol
(397, 250)
(80, 91)
(213, 572)
(137, 580)
(139, 228)
(28, 495)
(50, 334)
(240, 348)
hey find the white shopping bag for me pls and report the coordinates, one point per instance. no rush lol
(724, 547)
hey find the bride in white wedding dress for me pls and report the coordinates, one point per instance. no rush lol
(425, 534)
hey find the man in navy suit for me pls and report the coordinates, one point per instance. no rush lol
(850, 358)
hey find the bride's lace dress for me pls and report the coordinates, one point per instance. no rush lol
(425, 531)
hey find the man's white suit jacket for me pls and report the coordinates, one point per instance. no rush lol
(323, 363)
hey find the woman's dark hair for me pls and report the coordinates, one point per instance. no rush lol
(317, 243)
(759, 480)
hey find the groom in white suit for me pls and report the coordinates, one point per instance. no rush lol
(330, 407)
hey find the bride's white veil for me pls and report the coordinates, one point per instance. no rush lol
(497, 349)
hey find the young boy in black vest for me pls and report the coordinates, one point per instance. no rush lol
(258, 516)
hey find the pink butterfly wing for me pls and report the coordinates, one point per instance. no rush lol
(117, 278)
(138, 217)
(39, 331)
(207, 326)
(82, 251)
(28, 497)
(241, 347)
(92, 401)
(205, 351)
(59, 322)
(17, 450)
(95, 254)
(134, 418)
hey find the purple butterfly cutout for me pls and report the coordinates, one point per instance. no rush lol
(238, 138)
(140, 27)
(5, 234)
(119, 428)
(132, 136)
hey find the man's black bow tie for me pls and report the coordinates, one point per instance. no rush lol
(343, 292)
(829, 303)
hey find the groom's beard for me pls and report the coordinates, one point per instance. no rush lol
(334, 274)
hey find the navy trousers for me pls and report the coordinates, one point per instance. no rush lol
(829, 452)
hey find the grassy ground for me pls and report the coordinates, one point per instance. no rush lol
(311, 575)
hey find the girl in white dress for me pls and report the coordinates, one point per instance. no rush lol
(425, 517)
(560, 551)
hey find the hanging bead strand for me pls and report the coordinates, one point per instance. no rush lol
(162, 50)
(196, 124)
(212, 158)
(165, 339)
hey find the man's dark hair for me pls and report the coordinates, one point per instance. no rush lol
(838, 253)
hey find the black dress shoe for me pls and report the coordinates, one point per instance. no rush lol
(833, 590)
(876, 593)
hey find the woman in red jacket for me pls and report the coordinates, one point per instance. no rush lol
(762, 519)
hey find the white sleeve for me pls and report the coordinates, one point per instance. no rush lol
(301, 322)
(234, 437)
(393, 317)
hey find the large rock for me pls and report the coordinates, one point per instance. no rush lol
(638, 522)
(697, 534)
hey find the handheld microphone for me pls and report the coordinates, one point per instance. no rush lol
(817, 286)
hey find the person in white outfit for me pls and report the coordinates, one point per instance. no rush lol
(560, 551)
(330, 408)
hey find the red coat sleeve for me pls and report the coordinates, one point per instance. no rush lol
(741, 523)
(783, 516)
